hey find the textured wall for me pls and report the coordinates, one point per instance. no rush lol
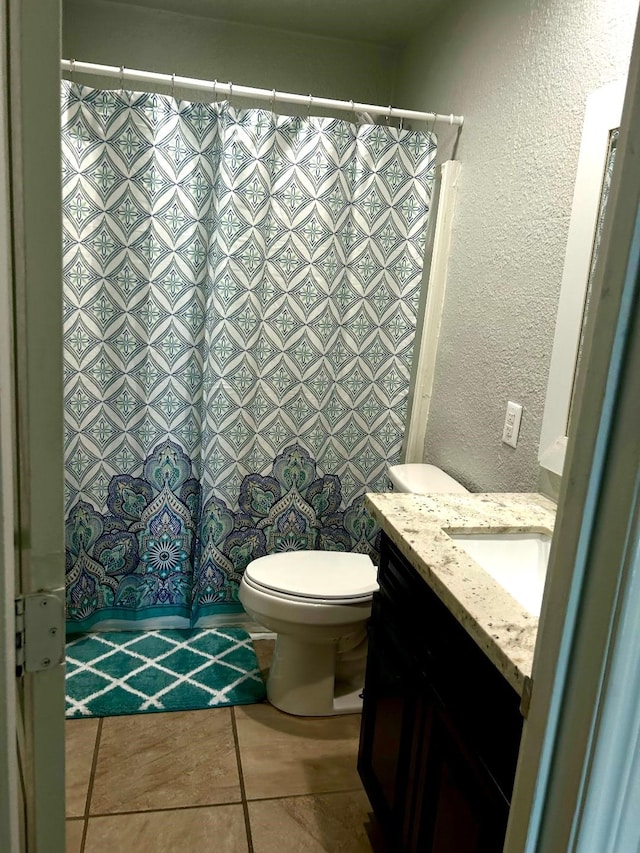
(520, 73)
(116, 34)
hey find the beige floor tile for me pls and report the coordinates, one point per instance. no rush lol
(74, 836)
(168, 760)
(80, 740)
(282, 755)
(219, 828)
(335, 823)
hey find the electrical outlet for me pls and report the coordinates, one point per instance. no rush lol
(512, 424)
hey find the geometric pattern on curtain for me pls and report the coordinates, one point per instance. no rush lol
(240, 296)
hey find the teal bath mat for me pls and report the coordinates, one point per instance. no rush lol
(137, 672)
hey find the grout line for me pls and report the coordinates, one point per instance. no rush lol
(225, 803)
(307, 794)
(245, 805)
(155, 809)
(94, 764)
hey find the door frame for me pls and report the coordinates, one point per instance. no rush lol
(572, 759)
(32, 469)
(11, 806)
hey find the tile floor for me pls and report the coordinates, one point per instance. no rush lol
(247, 779)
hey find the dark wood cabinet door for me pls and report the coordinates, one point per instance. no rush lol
(428, 790)
(462, 809)
(438, 767)
(389, 722)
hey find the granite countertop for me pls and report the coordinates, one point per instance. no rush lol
(416, 524)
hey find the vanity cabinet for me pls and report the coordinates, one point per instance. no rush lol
(441, 726)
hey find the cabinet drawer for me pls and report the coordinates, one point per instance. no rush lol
(472, 690)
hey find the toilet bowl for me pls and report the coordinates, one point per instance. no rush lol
(318, 603)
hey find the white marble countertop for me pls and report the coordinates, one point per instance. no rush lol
(416, 524)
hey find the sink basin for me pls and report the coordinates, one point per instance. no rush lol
(517, 561)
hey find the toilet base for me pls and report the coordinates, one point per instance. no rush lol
(302, 680)
(348, 703)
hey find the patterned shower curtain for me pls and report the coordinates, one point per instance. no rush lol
(240, 294)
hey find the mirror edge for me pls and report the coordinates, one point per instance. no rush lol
(602, 115)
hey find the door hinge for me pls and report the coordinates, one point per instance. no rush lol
(39, 632)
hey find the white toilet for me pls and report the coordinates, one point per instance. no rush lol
(318, 604)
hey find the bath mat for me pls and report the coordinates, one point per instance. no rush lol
(137, 672)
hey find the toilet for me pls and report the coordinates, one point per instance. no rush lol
(318, 604)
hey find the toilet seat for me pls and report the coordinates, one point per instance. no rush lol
(334, 577)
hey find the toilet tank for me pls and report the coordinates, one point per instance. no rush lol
(421, 478)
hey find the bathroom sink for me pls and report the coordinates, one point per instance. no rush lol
(517, 561)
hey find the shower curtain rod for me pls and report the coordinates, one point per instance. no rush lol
(213, 88)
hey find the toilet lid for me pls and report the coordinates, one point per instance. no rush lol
(316, 574)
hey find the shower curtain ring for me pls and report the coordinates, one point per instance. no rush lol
(401, 122)
(355, 117)
(273, 100)
(389, 115)
(122, 79)
(215, 96)
(173, 85)
(73, 71)
(309, 105)
(230, 93)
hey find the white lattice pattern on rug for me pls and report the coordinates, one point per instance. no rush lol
(133, 672)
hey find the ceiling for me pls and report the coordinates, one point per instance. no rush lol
(390, 22)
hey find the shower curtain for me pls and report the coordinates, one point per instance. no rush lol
(240, 294)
